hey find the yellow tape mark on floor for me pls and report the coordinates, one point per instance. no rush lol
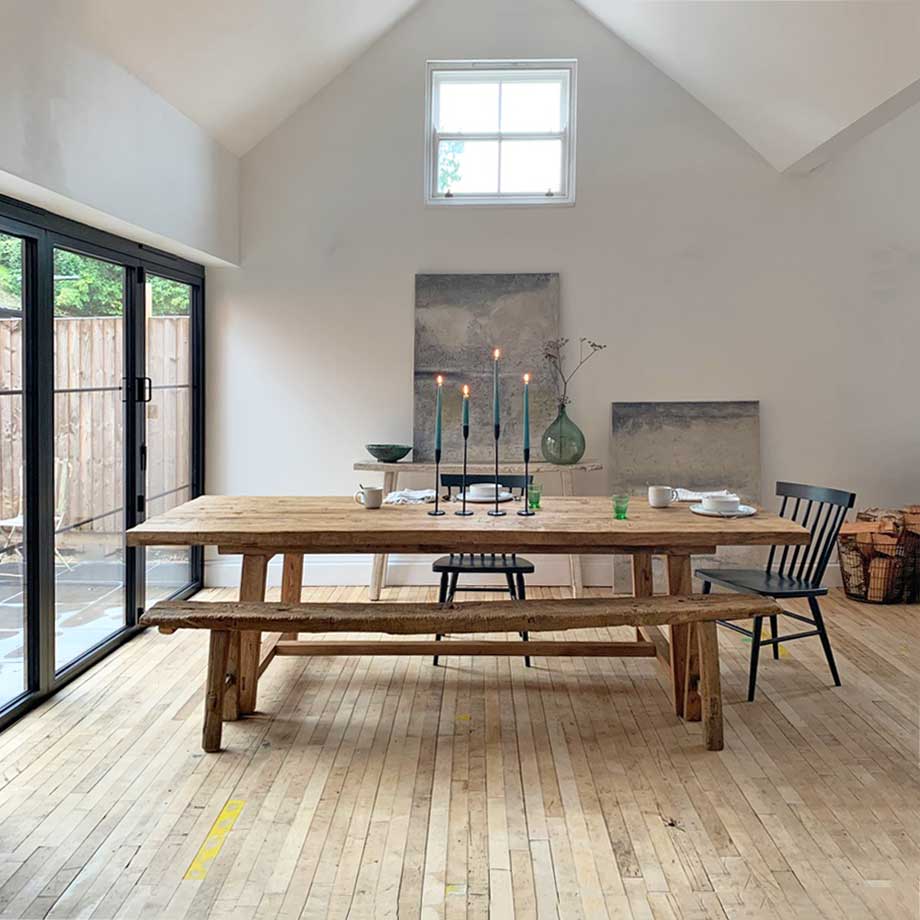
(198, 868)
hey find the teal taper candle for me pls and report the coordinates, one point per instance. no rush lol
(496, 394)
(466, 405)
(526, 411)
(437, 415)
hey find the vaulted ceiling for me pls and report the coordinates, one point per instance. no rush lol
(238, 68)
(796, 80)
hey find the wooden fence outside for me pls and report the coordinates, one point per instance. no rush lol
(89, 418)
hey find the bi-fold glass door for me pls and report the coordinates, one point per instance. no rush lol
(13, 674)
(101, 414)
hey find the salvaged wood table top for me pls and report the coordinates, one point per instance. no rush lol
(582, 524)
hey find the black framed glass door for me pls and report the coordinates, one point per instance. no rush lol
(13, 653)
(91, 393)
(101, 421)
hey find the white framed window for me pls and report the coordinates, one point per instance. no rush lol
(500, 132)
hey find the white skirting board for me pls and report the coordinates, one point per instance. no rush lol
(224, 571)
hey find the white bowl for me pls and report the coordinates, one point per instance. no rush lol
(482, 489)
(721, 502)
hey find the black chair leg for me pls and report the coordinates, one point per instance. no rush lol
(774, 634)
(522, 596)
(526, 637)
(707, 587)
(825, 641)
(755, 657)
(452, 590)
(511, 589)
(442, 598)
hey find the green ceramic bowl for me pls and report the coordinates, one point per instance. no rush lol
(388, 453)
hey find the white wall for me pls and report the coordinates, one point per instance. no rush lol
(710, 275)
(84, 138)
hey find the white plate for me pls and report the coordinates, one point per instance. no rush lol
(486, 499)
(743, 511)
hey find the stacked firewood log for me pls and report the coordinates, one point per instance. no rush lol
(880, 555)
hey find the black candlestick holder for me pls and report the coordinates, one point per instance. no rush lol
(496, 511)
(437, 485)
(466, 437)
(525, 511)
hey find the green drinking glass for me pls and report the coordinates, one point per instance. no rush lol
(620, 504)
(534, 493)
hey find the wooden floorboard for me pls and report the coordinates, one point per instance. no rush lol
(385, 787)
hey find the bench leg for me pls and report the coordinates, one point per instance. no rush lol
(252, 588)
(214, 690)
(684, 666)
(710, 685)
(291, 583)
(232, 691)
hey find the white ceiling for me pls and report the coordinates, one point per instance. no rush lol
(238, 68)
(788, 76)
(797, 79)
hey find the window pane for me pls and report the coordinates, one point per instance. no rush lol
(532, 106)
(468, 107)
(89, 513)
(169, 425)
(12, 512)
(468, 167)
(533, 167)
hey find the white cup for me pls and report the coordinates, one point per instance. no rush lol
(661, 496)
(369, 496)
(721, 502)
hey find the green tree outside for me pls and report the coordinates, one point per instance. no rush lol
(89, 287)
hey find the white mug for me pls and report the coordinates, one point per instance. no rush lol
(369, 496)
(661, 496)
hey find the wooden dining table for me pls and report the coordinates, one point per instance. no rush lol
(261, 527)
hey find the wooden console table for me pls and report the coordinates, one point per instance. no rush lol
(391, 473)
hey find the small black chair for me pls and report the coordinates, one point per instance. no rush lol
(512, 566)
(822, 512)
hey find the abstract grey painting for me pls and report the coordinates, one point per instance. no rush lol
(691, 445)
(459, 321)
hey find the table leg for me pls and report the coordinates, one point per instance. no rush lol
(642, 580)
(379, 568)
(685, 673)
(252, 588)
(291, 583)
(568, 488)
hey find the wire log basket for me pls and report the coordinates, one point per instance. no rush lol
(880, 556)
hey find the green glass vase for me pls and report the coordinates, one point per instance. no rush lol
(563, 442)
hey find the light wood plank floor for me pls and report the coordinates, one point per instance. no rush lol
(370, 788)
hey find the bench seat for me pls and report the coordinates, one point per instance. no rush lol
(228, 620)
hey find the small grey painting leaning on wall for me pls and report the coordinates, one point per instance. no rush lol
(691, 445)
(459, 321)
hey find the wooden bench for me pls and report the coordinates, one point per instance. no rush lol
(228, 621)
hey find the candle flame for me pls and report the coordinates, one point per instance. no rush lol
(526, 378)
(466, 391)
(439, 379)
(497, 353)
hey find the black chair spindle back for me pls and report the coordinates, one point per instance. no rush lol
(820, 511)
